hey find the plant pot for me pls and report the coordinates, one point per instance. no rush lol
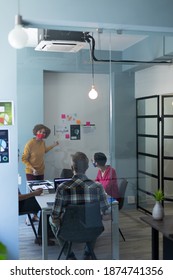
(158, 211)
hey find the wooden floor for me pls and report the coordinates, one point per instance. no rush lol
(137, 244)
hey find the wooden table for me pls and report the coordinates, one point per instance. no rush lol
(165, 227)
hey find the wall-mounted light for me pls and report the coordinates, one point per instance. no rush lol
(18, 36)
(93, 94)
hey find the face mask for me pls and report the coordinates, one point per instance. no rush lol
(94, 164)
(40, 136)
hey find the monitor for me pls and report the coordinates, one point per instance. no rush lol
(58, 181)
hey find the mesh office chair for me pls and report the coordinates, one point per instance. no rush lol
(81, 224)
(122, 189)
(66, 173)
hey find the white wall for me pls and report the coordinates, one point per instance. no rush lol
(157, 80)
(68, 94)
(8, 171)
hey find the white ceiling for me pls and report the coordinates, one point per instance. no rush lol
(115, 42)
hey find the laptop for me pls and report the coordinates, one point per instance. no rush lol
(58, 181)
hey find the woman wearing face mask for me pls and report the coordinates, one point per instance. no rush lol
(107, 176)
(34, 151)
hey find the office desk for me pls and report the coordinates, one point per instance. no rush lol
(46, 210)
(165, 227)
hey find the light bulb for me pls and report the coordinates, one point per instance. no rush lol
(18, 37)
(93, 94)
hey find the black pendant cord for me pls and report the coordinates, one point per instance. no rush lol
(92, 63)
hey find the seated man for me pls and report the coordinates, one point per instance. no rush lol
(78, 190)
(28, 203)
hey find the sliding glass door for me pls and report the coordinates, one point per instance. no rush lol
(148, 151)
(154, 150)
(167, 151)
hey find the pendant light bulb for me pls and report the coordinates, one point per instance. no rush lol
(93, 94)
(18, 37)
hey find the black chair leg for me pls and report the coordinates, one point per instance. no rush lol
(33, 227)
(122, 234)
(91, 251)
(62, 249)
(68, 250)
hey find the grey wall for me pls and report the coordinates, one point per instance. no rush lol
(67, 93)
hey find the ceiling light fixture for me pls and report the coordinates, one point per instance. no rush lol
(93, 94)
(18, 37)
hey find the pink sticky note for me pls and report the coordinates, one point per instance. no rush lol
(87, 123)
(63, 116)
(67, 136)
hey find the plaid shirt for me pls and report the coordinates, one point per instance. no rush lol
(79, 190)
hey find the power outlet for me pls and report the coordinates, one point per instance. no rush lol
(131, 199)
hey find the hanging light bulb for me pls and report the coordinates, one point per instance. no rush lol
(18, 37)
(93, 94)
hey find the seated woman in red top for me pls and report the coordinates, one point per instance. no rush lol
(106, 176)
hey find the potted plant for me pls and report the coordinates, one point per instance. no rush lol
(3, 252)
(159, 195)
(158, 211)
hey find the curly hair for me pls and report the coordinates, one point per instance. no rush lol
(38, 127)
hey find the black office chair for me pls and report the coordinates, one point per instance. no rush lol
(81, 224)
(66, 173)
(122, 189)
(32, 225)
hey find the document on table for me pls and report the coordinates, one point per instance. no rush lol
(45, 185)
(42, 186)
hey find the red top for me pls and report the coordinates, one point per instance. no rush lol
(109, 181)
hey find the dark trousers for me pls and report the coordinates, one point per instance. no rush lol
(30, 205)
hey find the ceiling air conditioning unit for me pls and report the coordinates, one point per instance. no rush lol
(60, 41)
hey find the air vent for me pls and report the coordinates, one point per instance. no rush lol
(60, 41)
(59, 46)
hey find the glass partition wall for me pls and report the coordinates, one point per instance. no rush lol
(148, 151)
(154, 151)
(53, 89)
(167, 154)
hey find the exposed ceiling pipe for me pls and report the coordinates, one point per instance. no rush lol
(88, 38)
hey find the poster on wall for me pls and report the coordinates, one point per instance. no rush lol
(6, 113)
(75, 132)
(4, 150)
(63, 129)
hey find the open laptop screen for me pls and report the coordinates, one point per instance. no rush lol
(58, 181)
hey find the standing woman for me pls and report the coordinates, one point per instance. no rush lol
(107, 176)
(34, 151)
